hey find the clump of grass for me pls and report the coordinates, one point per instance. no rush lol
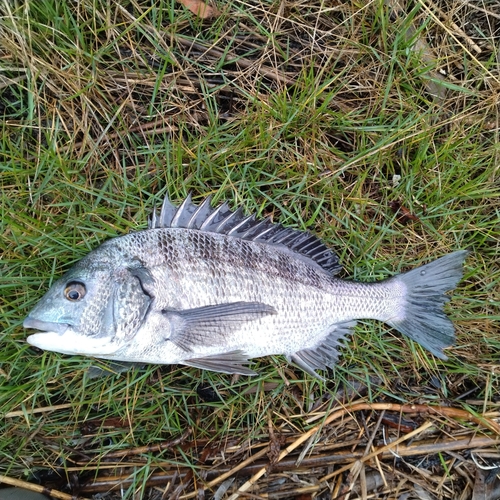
(323, 118)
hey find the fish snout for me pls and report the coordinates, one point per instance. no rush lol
(45, 326)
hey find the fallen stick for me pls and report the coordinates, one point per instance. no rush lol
(437, 410)
(37, 488)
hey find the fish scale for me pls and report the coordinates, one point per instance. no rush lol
(213, 288)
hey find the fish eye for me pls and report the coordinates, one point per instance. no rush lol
(75, 291)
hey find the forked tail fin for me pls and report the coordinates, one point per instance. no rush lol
(423, 318)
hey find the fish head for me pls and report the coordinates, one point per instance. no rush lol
(94, 309)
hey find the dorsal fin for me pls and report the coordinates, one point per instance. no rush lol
(223, 220)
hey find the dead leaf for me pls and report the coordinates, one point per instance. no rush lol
(486, 485)
(403, 213)
(276, 441)
(200, 8)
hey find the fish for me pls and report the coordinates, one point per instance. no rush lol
(213, 288)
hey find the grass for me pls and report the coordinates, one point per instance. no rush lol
(318, 115)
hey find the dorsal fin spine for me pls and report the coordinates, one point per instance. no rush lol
(153, 219)
(204, 206)
(237, 214)
(180, 211)
(167, 213)
(235, 229)
(246, 235)
(214, 214)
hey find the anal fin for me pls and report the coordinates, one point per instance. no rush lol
(326, 354)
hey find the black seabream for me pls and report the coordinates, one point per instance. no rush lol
(212, 288)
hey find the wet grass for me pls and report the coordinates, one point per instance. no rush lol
(329, 120)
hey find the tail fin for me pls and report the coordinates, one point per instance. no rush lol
(424, 319)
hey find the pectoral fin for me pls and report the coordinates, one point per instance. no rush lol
(229, 362)
(204, 326)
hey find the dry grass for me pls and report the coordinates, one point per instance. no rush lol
(376, 125)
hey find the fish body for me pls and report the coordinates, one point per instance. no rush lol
(212, 288)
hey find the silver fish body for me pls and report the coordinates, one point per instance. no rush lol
(211, 288)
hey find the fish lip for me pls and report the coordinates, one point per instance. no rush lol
(45, 326)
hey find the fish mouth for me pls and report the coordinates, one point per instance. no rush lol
(60, 337)
(45, 326)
